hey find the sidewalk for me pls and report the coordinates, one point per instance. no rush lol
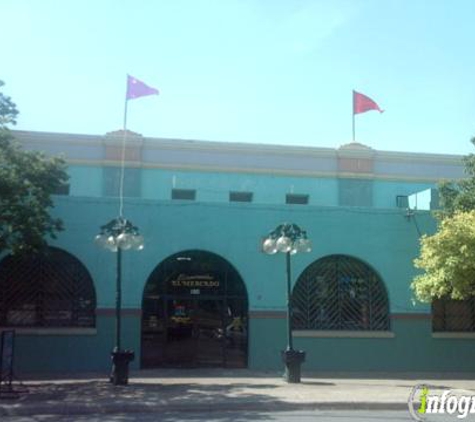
(222, 390)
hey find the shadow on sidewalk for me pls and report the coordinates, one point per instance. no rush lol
(97, 393)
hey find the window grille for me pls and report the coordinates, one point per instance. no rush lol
(52, 289)
(340, 293)
(453, 315)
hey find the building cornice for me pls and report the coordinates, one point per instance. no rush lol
(238, 147)
(419, 157)
(56, 137)
(253, 170)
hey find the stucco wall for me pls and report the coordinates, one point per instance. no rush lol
(385, 239)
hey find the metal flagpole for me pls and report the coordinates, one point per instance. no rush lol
(122, 159)
(125, 112)
(120, 358)
(118, 228)
(354, 136)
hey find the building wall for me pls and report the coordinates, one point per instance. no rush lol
(385, 239)
(329, 176)
(369, 227)
(157, 184)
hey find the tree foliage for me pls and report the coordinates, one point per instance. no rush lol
(447, 258)
(27, 181)
(460, 195)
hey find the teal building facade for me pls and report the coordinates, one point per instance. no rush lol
(203, 293)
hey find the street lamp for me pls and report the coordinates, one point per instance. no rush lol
(289, 239)
(117, 235)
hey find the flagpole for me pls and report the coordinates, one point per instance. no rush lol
(122, 159)
(353, 126)
(134, 89)
(125, 114)
(354, 137)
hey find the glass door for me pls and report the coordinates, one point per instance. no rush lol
(236, 333)
(181, 333)
(153, 331)
(209, 326)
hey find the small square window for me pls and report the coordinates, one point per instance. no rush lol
(293, 198)
(402, 201)
(240, 196)
(184, 194)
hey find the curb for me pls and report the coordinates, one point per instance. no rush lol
(276, 406)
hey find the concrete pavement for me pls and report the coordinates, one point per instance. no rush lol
(222, 389)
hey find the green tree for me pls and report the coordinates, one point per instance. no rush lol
(447, 258)
(27, 181)
(460, 195)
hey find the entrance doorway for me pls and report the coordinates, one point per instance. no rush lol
(194, 313)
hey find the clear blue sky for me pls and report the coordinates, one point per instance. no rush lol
(260, 71)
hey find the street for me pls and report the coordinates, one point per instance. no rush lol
(237, 416)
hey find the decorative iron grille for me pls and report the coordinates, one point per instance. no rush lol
(52, 289)
(339, 293)
(453, 315)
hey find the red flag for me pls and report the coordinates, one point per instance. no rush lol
(136, 89)
(362, 103)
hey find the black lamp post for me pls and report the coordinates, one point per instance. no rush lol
(119, 235)
(289, 239)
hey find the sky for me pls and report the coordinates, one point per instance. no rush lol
(253, 71)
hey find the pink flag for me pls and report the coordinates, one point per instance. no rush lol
(362, 103)
(136, 89)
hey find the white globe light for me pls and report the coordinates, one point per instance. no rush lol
(111, 244)
(137, 242)
(284, 244)
(100, 240)
(124, 241)
(294, 250)
(305, 245)
(269, 246)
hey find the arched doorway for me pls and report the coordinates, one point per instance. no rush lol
(194, 313)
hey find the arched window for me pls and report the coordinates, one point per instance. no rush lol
(450, 315)
(340, 293)
(51, 289)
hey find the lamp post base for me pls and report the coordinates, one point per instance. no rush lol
(292, 359)
(120, 366)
